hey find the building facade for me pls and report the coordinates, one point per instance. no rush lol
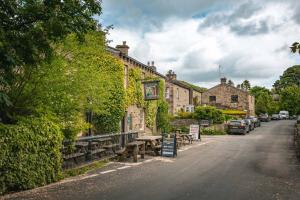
(134, 119)
(225, 96)
(180, 96)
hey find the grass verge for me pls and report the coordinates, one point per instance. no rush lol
(83, 169)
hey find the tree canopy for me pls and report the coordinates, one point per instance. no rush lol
(290, 77)
(28, 30)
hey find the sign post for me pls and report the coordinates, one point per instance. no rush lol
(194, 131)
(168, 147)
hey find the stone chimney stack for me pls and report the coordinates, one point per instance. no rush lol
(123, 48)
(171, 75)
(223, 80)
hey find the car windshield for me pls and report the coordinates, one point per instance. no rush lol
(235, 123)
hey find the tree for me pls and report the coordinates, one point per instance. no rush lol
(290, 99)
(246, 85)
(78, 71)
(230, 82)
(264, 102)
(290, 77)
(295, 47)
(28, 30)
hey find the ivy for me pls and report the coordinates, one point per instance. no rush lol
(156, 110)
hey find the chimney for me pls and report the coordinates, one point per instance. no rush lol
(123, 48)
(171, 75)
(223, 80)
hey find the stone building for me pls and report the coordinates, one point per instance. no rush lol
(225, 96)
(134, 119)
(180, 95)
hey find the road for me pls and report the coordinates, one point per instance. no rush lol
(258, 166)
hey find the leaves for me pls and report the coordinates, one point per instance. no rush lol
(295, 47)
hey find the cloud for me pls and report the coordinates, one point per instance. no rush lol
(249, 39)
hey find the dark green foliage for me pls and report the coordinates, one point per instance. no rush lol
(209, 113)
(29, 154)
(295, 48)
(264, 102)
(209, 131)
(163, 121)
(246, 85)
(290, 100)
(195, 87)
(28, 30)
(290, 77)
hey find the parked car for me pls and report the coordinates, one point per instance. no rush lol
(298, 120)
(284, 114)
(264, 118)
(275, 117)
(255, 121)
(238, 126)
(250, 123)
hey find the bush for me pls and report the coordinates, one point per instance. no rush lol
(30, 154)
(185, 115)
(209, 113)
(208, 131)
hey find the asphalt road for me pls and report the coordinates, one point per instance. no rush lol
(258, 166)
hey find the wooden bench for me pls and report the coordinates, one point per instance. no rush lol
(73, 156)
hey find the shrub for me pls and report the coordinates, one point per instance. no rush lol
(185, 115)
(208, 131)
(30, 154)
(209, 113)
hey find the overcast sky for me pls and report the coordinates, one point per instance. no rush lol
(249, 39)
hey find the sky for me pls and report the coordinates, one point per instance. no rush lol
(249, 39)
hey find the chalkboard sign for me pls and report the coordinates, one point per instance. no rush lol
(168, 148)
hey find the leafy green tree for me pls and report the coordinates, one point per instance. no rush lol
(246, 85)
(28, 30)
(264, 102)
(230, 82)
(290, 77)
(81, 77)
(295, 47)
(290, 99)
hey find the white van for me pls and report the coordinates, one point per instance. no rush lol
(284, 114)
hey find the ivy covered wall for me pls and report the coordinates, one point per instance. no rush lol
(156, 111)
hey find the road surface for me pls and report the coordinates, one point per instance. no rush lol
(258, 166)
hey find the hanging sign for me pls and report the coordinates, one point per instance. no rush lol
(151, 90)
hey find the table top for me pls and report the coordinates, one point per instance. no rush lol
(134, 143)
(149, 138)
(82, 144)
(102, 139)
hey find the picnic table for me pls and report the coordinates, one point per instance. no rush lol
(152, 143)
(134, 148)
(187, 137)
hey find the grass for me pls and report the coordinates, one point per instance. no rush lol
(84, 169)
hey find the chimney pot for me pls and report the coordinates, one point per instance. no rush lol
(152, 63)
(123, 48)
(223, 80)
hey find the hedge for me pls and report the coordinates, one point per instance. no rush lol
(30, 154)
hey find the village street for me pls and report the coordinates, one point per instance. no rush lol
(260, 165)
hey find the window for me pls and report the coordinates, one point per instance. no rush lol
(126, 76)
(143, 75)
(212, 99)
(234, 98)
(177, 93)
(167, 95)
